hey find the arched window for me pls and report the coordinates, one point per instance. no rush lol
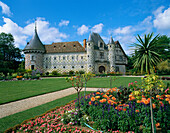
(101, 44)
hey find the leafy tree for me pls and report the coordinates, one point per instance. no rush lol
(164, 67)
(10, 55)
(146, 57)
(164, 47)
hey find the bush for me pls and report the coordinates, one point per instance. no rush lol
(55, 73)
(71, 72)
(81, 72)
(47, 73)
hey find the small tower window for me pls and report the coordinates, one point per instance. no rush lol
(32, 67)
(67, 57)
(89, 65)
(81, 57)
(54, 58)
(89, 44)
(110, 46)
(77, 57)
(64, 67)
(46, 58)
(74, 45)
(32, 57)
(54, 67)
(101, 55)
(82, 66)
(59, 57)
(72, 57)
(72, 66)
(64, 46)
(64, 57)
(101, 44)
(88, 56)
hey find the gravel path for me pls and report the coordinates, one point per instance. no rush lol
(21, 105)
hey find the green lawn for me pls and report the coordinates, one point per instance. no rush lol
(12, 120)
(16, 90)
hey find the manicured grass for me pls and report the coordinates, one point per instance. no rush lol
(105, 81)
(18, 118)
(16, 90)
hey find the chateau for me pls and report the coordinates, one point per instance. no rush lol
(94, 56)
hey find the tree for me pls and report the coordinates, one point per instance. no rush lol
(164, 47)
(10, 55)
(164, 67)
(146, 57)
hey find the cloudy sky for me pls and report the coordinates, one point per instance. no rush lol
(73, 20)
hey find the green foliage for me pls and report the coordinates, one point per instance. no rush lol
(71, 72)
(146, 56)
(55, 73)
(9, 55)
(164, 67)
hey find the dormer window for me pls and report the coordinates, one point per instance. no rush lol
(54, 46)
(74, 45)
(64, 46)
(101, 45)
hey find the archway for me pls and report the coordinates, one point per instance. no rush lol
(101, 69)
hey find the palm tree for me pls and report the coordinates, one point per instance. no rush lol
(146, 57)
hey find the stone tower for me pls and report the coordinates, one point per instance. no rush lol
(90, 55)
(34, 52)
(111, 54)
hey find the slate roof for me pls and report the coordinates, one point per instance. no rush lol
(35, 44)
(111, 41)
(64, 47)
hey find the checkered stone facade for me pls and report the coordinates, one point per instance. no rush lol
(94, 56)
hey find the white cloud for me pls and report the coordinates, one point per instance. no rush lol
(5, 9)
(46, 33)
(124, 30)
(82, 30)
(158, 11)
(64, 23)
(97, 28)
(162, 20)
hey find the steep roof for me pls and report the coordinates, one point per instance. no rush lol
(35, 43)
(111, 41)
(64, 47)
(117, 42)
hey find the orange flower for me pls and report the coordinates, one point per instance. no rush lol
(105, 96)
(143, 96)
(124, 109)
(113, 98)
(161, 98)
(154, 106)
(93, 99)
(152, 97)
(104, 100)
(138, 101)
(109, 90)
(148, 99)
(136, 110)
(114, 89)
(97, 92)
(101, 101)
(146, 102)
(169, 102)
(115, 102)
(110, 95)
(97, 97)
(101, 93)
(167, 99)
(107, 93)
(157, 96)
(130, 96)
(167, 96)
(90, 103)
(157, 124)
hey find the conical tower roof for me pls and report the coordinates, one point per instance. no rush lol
(90, 38)
(111, 41)
(35, 44)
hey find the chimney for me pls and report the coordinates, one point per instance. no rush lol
(84, 43)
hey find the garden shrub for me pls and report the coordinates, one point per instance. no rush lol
(47, 73)
(71, 72)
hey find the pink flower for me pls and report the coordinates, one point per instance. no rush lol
(135, 81)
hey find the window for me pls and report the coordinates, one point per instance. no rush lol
(54, 67)
(89, 44)
(64, 67)
(67, 57)
(88, 56)
(59, 57)
(32, 58)
(101, 55)
(117, 69)
(74, 45)
(101, 44)
(54, 58)
(32, 67)
(72, 57)
(46, 67)
(64, 46)
(77, 57)
(46, 58)
(64, 57)
(82, 66)
(72, 66)
(121, 58)
(89, 65)
(81, 57)
(116, 51)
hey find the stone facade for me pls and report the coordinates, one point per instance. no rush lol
(95, 56)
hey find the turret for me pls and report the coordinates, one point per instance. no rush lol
(34, 51)
(111, 55)
(90, 54)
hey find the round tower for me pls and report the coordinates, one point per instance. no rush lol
(34, 53)
(111, 55)
(90, 54)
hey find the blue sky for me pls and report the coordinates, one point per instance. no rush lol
(66, 20)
